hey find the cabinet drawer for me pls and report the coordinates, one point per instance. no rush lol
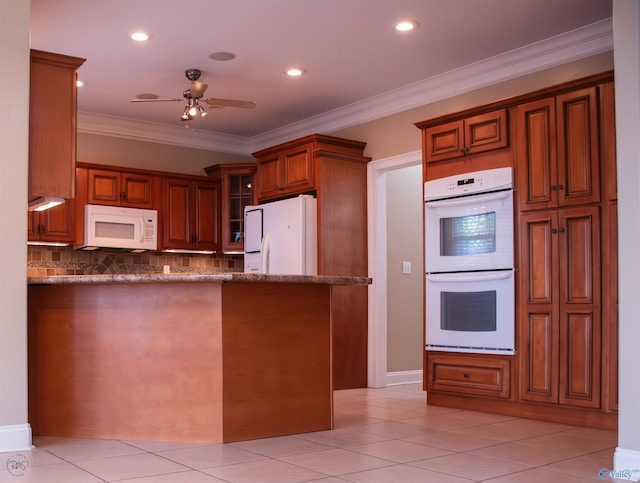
(468, 375)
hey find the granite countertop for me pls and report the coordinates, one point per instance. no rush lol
(197, 277)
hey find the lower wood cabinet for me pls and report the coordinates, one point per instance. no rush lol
(191, 216)
(465, 374)
(559, 300)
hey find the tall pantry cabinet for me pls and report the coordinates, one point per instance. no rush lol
(335, 171)
(558, 166)
(562, 150)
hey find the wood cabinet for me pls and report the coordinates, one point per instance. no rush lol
(122, 188)
(462, 137)
(285, 172)
(56, 225)
(559, 309)
(562, 149)
(52, 125)
(557, 151)
(471, 375)
(191, 214)
(335, 170)
(237, 185)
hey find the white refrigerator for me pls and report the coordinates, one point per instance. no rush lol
(281, 237)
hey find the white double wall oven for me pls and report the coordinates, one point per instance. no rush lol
(469, 263)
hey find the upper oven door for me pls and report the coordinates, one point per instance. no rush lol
(469, 233)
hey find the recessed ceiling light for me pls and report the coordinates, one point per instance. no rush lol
(296, 71)
(79, 83)
(406, 25)
(222, 56)
(147, 95)
(140, 36)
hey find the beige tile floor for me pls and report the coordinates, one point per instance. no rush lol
(381, 435)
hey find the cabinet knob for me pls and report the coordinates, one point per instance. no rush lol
(560, 230)
(281, 188)
(553, 230)
(559, 187)
(553, 187)
(465, 375)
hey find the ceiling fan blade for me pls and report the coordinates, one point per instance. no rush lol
(156, 100)
(213, 101)
(197, 89)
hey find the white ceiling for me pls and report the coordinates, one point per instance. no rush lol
(357, 65)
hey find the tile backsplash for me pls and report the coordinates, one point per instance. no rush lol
(46, 261)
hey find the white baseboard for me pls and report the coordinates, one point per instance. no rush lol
(626, 464)
(16, 437)
(404, 377)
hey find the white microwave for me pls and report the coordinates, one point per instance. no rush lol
(114, 227)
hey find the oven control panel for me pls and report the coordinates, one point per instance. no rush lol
(468, 183)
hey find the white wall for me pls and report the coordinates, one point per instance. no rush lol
(15, 433)
(404, 291)
(626, 37)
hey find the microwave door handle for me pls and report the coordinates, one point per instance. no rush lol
(484, 277)
(141, 224)
(469, 200)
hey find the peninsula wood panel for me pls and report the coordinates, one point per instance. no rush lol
(274, 339)
(122, 361)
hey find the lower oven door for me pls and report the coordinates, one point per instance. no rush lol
(470, 312)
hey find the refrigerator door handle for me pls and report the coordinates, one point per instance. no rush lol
(265, 253)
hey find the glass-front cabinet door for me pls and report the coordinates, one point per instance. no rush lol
(237, 192)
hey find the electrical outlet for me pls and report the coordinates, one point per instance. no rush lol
(406, 267)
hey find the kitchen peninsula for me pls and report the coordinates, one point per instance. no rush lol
(181, 357)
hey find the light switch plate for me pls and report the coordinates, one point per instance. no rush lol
(406, 267)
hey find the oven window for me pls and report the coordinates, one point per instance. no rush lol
(468, 235)
(468, 311)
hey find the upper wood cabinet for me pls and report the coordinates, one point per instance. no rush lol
(122, 188)
(472, 135)
(237, 186)
(52, 125)
(191, 214)
(285, 172)
(557, 151)
(559, 306)
(56, 224)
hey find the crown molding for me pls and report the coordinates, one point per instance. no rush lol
(570, 46)
(160, 133)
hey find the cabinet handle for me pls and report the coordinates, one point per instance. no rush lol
(465, 375)
(559, 187)
(553, 230)
(560, 230)
(281, 188)
(553, 187)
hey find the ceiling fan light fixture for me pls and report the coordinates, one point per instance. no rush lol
(202, 110)
(185, 115)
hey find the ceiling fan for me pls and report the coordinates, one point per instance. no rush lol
(193, 96)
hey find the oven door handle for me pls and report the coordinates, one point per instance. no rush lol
(475, 277)
(470, 200)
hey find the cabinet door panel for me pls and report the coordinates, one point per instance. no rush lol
(539, 257)
(104, 187)
(486, 131)
(207, 207)
(444, 142)
(539, 380)
(298, 166)
(536, 154)
(578, 157)
(59, 222)
(137, 191)
(177, 211)
(580, 252)
(580, 360)
(270, 177)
